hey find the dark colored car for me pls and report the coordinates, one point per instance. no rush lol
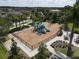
(56, 57)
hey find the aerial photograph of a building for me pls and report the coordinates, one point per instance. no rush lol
(39, 29)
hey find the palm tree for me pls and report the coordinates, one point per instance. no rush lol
(46, 14)
(19, 20)
(66, 16)
(69, 51)
(15, 19)
(76, 7)
(23, 17)
(9, 19)
(75, 17)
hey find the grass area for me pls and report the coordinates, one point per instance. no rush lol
(76, 28)
(3, 52)
(63, 50)
(75, 54)
(62, 47)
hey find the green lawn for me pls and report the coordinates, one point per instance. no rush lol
(76, 28)
(3, 52)
(63, 50)
(75, 54)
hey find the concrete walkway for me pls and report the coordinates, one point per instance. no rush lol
(62, 39)
(52, 50)
(26, 24)
(26, 49)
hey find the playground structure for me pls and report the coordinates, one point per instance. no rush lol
(32, 39)
(40, 28)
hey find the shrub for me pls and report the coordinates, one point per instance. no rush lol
(65, 38)
(60, 33)
(18, 29)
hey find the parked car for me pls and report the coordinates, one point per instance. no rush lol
(55, 57)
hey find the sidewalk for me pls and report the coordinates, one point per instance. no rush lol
(26, 49)
(62, 39)
(26, 23)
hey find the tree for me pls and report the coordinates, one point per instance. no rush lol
(14, 52)
(69, 51)
(55, 18)
(75, 17)
(5, 26)
(76, 8)
(46, 14)
(60, 32)
(43, 52)
(66, 17)
(52, 17)
(9, 20)
(24, 17)
(15, 19)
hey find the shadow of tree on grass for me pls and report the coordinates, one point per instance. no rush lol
(75, 57)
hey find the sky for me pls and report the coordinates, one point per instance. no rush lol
(37, 3)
